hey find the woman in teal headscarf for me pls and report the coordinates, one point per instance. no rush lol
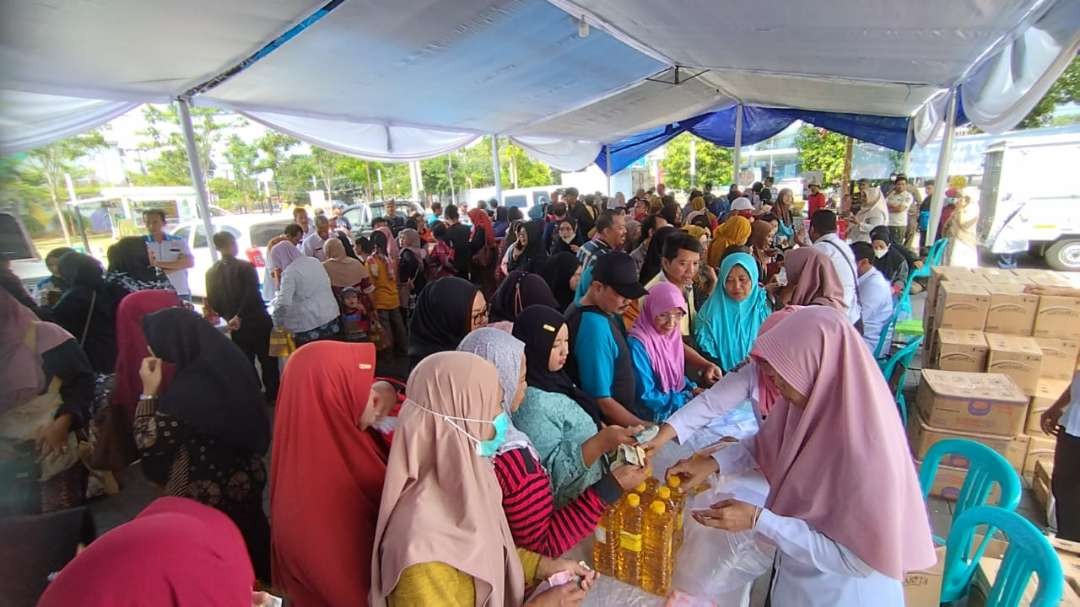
(728, 323)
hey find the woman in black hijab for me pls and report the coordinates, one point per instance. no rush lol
(559, 273)
(891, 259)
(87, 310)
(654, 254)
(204, 436)
(519, 291)
(538, 327)
(446, 311)
(532, 256)
(130, 269)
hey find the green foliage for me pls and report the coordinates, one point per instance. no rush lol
(1065, 90)
(714, 163)
(39, 179)
(821, 150)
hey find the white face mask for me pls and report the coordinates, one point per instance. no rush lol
(879, 253)
(781, 277)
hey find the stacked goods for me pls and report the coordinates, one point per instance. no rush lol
(637, 538)
(1068, 554)
(996, 357)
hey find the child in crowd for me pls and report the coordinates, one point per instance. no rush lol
(354, 317)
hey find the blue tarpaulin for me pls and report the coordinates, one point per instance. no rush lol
(759, 124)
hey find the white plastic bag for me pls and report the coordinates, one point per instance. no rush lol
(718, 565)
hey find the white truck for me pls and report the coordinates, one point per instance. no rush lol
(1029, 199)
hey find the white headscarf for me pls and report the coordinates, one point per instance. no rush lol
(507, 353)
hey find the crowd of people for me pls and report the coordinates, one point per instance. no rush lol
(451, 388)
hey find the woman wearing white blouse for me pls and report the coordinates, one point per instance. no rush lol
(844, 509)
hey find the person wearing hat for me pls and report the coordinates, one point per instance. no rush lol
(742, 206)
(600, 360)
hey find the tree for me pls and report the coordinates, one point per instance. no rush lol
(714, 163)
(244, 160)
(1065, 90)
(48, 165)
(821, 150)
(165, 136)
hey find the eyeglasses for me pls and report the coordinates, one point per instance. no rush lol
(481, 317)
(675, 316)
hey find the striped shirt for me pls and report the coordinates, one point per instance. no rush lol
(530, 505)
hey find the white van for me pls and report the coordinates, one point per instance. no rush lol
(252, 232)
(1030, 199)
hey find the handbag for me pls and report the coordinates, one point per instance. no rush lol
(281, 343)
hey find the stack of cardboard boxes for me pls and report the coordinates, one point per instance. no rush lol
(995, 358)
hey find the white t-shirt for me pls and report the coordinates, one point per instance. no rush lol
(875, 296)
(899, 218)
(843, 260)
(312, 246)
(171, 248)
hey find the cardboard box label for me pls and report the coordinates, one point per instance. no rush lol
(960, 351)
(962, 306)
(1018, 357)
(1011, 310)
(923, 588)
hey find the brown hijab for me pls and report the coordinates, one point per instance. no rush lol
(344, 271)
(813, 278)
(439, 492)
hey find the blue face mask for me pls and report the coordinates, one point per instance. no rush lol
(484, 448)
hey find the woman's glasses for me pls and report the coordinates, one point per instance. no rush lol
(673, 316)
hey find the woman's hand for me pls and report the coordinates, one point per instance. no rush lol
(728, 515)
(567, 595)
(549, 567)
(53, 437)
(150, 374)
(613, 436)
(629, 476)
(694, 470)
(1050, 419)
(666, 433)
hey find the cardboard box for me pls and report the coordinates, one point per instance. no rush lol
(923, 588)
(988, 568)
(962, 306)
(1040, 483)
(1018, 357)
(939, 275)
(1069, 554)
(1011, 311)
(1057, 317)
(922, 436)
(1046, 394)
(1046, 278)
(1039, 449)
(958, 350)
(1058, 357)
(949, 480)
(988, 403)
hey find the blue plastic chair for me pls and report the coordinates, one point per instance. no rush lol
(1029, 552)
(895, 371)
(985, 468)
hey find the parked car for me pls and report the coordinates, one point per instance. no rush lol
(360, 215)
(252, 233)
(17, 247)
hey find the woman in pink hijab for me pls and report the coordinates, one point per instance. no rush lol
(844, 510)
(656, 350)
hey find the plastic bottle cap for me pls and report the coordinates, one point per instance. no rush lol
(641, 488)
(658, 507)
(674, 481)
(634, 500)
(664, 493)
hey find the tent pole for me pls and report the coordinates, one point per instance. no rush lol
(197, 178)
(496, 169)
(414, 179)
(737, 156)
(942, 175)
(907, 145)
(607, 154)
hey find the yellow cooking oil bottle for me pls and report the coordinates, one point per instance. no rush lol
(657, 537)
(678, 497)
(606, 541)
(651, 481)
(628, 562)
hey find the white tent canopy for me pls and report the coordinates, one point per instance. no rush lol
(407, 80)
